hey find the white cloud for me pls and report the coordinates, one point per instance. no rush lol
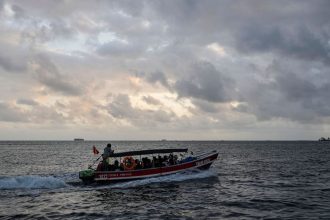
(216, 48)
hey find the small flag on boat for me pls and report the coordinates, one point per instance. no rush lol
(95, 151)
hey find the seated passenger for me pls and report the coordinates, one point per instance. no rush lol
(154, 162)
(175, 159)
(111, 167)
(121, 167)
(165, 161)
(146, 163)
(116, 165)
(171, 160)
(160, 160)
(138, 164)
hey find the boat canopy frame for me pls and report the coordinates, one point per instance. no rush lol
(144, 152)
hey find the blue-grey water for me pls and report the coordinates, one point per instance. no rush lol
(250, 180)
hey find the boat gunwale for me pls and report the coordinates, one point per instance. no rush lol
(151, 175)
(198, 158)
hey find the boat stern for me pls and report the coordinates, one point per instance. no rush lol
(87, 176)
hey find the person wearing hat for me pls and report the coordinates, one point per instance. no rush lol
(104, 165)
(107, 152)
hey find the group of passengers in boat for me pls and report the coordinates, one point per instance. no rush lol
(129, 163)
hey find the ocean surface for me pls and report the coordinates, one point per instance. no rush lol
(250, 180)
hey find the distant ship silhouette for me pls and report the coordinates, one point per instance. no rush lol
(324, 139)
(78, 139)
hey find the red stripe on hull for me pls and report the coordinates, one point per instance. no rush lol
(202, 163)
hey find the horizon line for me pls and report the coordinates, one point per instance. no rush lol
(162, 140)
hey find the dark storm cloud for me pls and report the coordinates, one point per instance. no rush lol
(302, 44)
(1, 5)
(41, 31)
(294, 31)
(201, 82)
(39, 28)
(205, 106)
(151, 100)
(311, 98)
(26, 102)
(121, 108)
(18, 11)
(158, 77)
(12, 64)
(11, 114)
(14, 59)
(295, 88)
(48, 74)
(291, 94)
(205, 82)
(298, 29)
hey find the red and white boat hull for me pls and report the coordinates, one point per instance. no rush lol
(200, 162)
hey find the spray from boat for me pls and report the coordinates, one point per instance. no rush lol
(31, 182)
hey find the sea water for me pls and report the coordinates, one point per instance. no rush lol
(250, 180)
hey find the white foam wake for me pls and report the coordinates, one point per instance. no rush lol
(31, 182)
(178, 177)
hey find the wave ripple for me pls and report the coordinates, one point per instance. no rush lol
(178, 177)
(31, 182)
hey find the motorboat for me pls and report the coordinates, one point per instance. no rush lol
(132, 165)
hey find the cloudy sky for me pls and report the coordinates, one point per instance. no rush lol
(174, 69)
